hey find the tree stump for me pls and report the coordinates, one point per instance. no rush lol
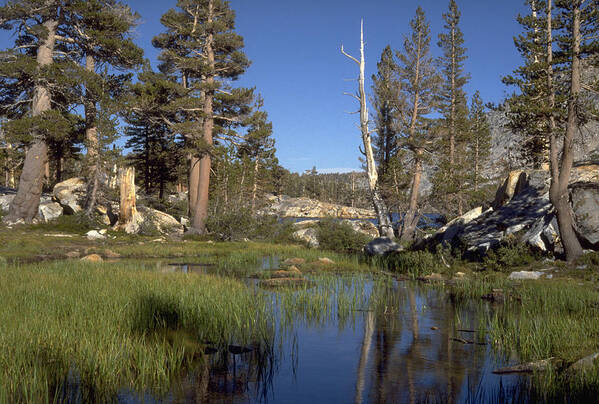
(128, 210)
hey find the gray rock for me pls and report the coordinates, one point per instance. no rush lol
(285, 206)
(585, 205)
(584, 364)
(363, 226)
(5, 201)
(70, 194)
(309, 236)
(525, 275)
(49, 211)
(148, 221)
(95, 235)
(381, 246)
(542, 234)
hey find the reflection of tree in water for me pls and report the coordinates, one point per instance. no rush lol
(413, 363)
(228, 376)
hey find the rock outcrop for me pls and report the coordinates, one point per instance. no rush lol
(70, 194)
(522, 209)
(150, 221)
(285, 206)
(381, 246)
(308, 236)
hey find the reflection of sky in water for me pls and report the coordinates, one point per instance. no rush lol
(406, 361)
(327, 362)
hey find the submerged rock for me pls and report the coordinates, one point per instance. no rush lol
(285, 282)
(381, 246)
(586, 363)
(325, 261)
(294, 261)
(530, 367)
(92, 258)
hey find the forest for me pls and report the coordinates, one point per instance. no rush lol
(154, 247)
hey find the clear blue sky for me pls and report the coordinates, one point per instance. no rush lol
(297, 66)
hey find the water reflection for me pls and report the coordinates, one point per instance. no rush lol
(400, 351)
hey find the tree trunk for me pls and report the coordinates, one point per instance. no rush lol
(410, 219)
(92, 142)
(25, 204)
(380, 207)
(128, 209)
(560, 175)
(200, 213)
(255, 184)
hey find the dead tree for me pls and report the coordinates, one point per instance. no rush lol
(128, 209)
(380, 207)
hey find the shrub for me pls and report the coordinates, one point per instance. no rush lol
(340, 237)
(415, 263)
(242, 223)
(511, 253)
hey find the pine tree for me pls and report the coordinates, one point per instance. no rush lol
(201, 51)
(156, 150)
(258, 145)
(420, 83)
(528, 108)
(100, 33)
(453, 106)
(28, 75)
(578, 42)
(478, 149)
(387, 104)
(43, 77)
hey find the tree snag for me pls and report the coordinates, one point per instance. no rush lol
(380, 207)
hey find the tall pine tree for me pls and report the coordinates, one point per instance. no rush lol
(449, 178)
(201, 50)
(420, 84)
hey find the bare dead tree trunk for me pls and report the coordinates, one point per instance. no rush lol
(91, 142)
(380, 207)
(25, 204)
(128, 209)
(200, 213)
(560, 173)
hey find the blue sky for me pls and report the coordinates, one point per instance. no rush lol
(299, 70)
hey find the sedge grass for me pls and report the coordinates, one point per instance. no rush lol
(109, 325)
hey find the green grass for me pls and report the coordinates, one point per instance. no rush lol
(114, 326)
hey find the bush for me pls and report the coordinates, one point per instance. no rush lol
(511, 253)
(240, 224)
(415, 263)
(340, 237)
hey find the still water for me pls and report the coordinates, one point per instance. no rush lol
(417, 347)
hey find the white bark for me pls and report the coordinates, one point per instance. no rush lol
(385, 227)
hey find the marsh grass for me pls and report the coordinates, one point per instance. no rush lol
(112, 326)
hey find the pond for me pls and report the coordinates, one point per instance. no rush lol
(372, 342)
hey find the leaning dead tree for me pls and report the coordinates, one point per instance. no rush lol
(380, 207)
